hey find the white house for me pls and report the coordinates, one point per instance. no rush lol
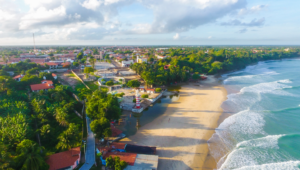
(127, 63)
(18, 77)
(160, 56)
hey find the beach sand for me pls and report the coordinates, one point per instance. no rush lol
(181, 133)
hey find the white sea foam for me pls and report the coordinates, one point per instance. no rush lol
(270, 87)
(253, 153)
(270, 141)
(289, 165)
(241, 126)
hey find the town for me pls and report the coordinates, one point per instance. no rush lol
(66, 104)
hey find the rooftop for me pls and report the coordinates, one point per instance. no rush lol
(63, 159)
(47, 84)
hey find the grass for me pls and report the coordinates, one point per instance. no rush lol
(174, 88)
(71, 75)
(92, 85)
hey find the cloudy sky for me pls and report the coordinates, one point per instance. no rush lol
(150, 22)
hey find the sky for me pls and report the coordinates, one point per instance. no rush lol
(150, 22)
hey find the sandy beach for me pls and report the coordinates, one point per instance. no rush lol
(181, 133)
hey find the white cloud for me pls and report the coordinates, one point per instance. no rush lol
(41, 15)
(254, 9)
(183, 15)
(91, 4)
(209, 37)
(176, 36)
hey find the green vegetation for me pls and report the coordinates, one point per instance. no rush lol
(34, 125)
(185, 61)
(102, 108)
(133, 83)
(158, 90)
(144, 96)
(115, 163)
(120, 94)
(109, 83)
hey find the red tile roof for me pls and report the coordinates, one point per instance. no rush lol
(53, 75)
(47, 81)
(150, 89)
(52, 64)
(115, 131)
(18, 76)
(63, 159)
(42, 86)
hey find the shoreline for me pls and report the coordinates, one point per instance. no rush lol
(182, 131)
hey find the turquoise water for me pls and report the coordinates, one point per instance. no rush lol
(263, 131)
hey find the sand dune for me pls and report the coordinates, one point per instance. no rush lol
(181, 133)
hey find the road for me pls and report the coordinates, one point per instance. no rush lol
(90, 148)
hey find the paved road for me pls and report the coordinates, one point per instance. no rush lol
(90, 148)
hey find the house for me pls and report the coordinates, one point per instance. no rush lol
(18, 77)
(127, 63)
(141, 59)
(166, 67)
(88, 51)
(160, 56)
(27, 55)
(64, 160)
(46, 84)
(54, 76)
(52, 65)
(150, 91)
(137, 157)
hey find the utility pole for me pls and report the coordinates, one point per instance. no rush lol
(33, 42)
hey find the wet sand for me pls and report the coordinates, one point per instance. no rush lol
(181, 133)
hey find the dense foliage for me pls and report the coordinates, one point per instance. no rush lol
(34, 125)
(182, 62)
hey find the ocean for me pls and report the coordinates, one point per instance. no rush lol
(263, 129)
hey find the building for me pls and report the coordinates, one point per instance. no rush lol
(137, 157)
(150, 91)
(18, 77)
(54, 76)
(88, 51)
(166, 67)
(127, 63)
(52, 65)
(27, 55)
(141, 59)
(160, 56)
(67, 160)
(46, 84)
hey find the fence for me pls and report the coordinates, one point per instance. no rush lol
(80, 79)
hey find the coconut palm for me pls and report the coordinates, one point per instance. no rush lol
(30, 154)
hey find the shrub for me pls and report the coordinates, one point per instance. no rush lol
(145, 96)
(158, 90)
(109, 83)
(134, 100)
(120, 94)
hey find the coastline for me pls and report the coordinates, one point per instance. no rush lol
(182, 132)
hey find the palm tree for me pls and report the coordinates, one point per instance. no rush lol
(60, 116)
(31, 155)
(68, 138)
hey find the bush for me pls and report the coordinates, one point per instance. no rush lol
(120, 94)
(158, 90)
(109, 83)
(145, 96)
(134, 100)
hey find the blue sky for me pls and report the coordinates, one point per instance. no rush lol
(150, 22)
